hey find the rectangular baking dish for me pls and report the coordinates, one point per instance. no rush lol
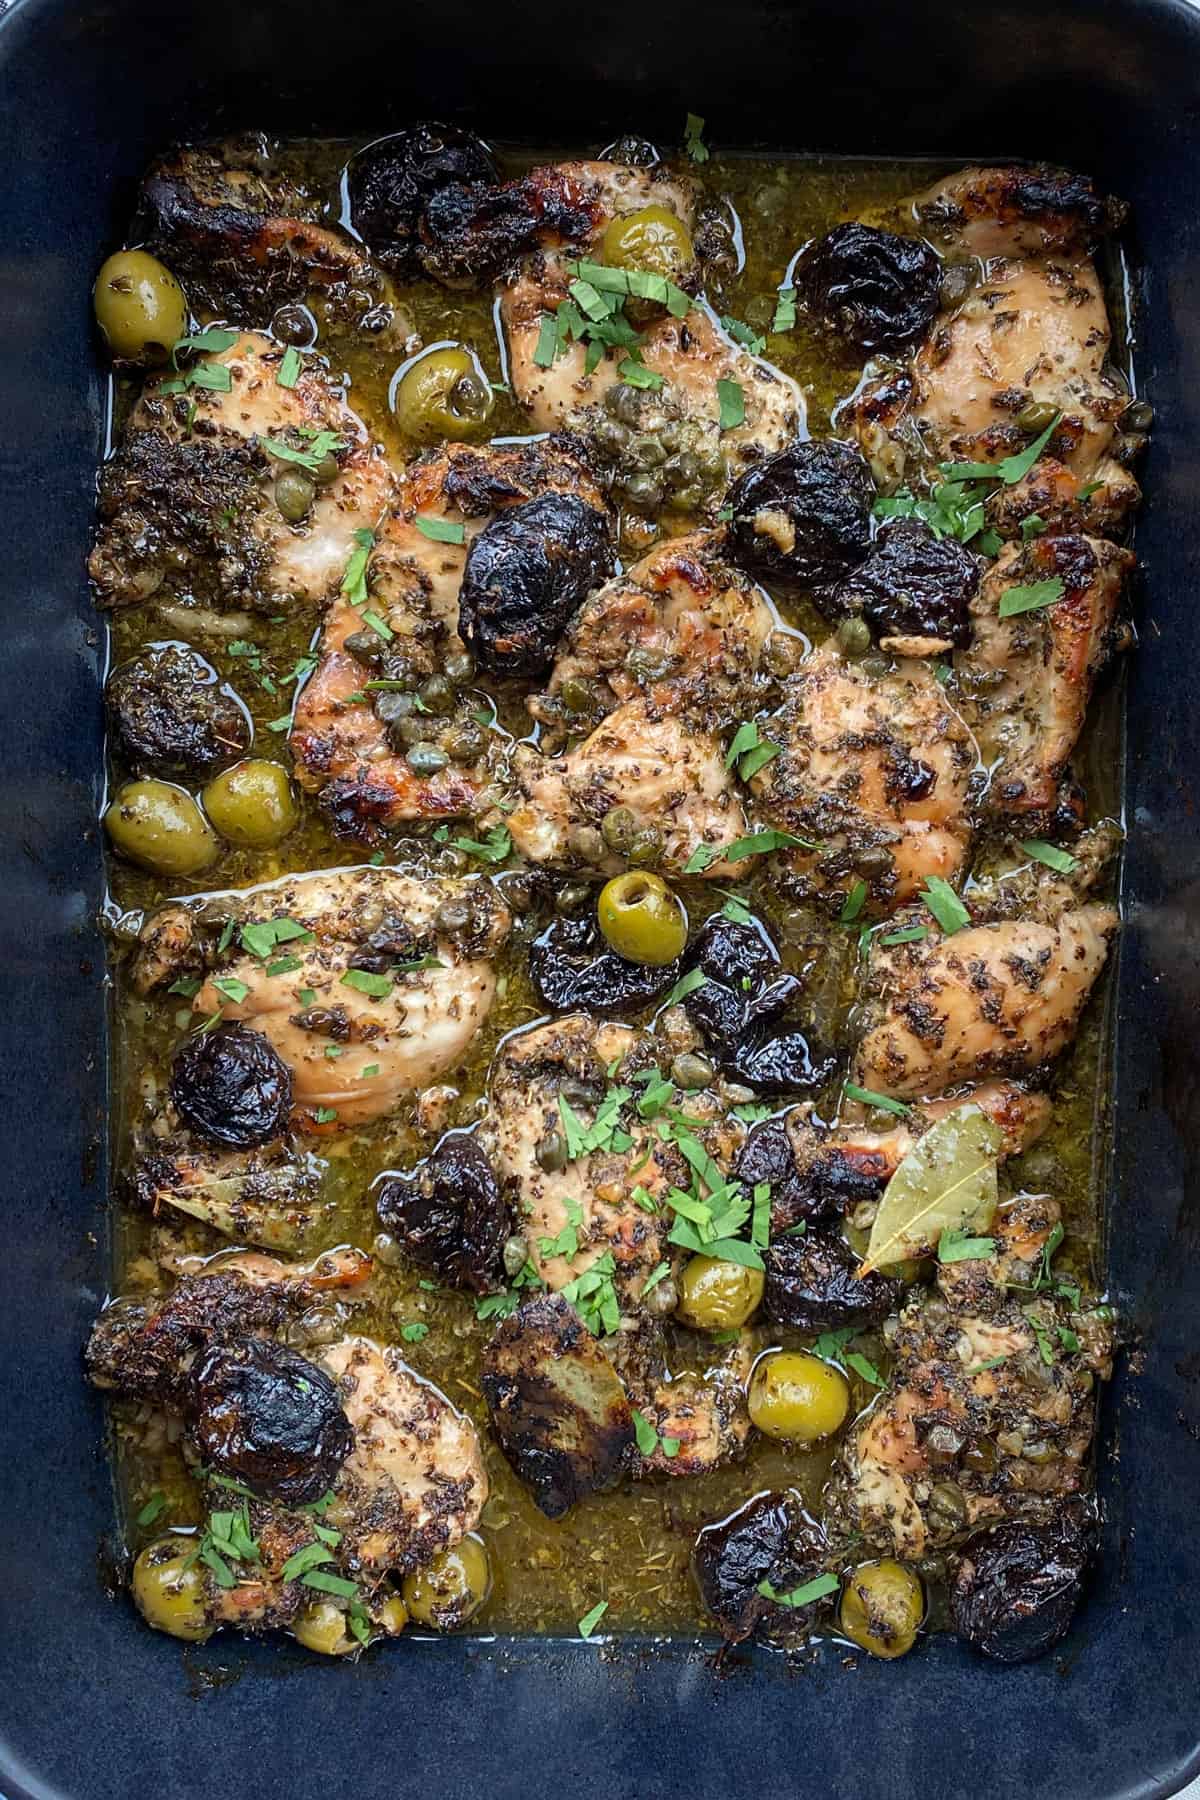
(94, 1707)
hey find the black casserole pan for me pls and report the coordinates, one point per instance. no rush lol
(93, 1706)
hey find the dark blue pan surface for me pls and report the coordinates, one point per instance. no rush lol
(92, 1706)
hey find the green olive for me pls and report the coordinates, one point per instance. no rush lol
(716, 1295)
(653, 238)
(442, 395)
(294, 494)
(796, 1396)
(882, 1607)
(252, 804)
(452, 1588)
(140, 307)
(159, 826)
(322, 1627)
(168, 1588)
(642, 919)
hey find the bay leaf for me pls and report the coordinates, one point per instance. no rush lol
(946, 1182)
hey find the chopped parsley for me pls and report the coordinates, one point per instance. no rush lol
(415, 1333)
(440, 531)
(354, 581)
(263, 937)
(816, 1589)
(156, 1504)
(743, 335)
(908, 934)
(323, 444)
(785, 310)
(956, 1246)
(1032, 597)
(732, 401)
(636, 374)
(868, 1097)
(944, 904)
(231, 988)
(693, 139)
(494, 848)
(750, 751)
(648, 1439)
(376, 987)
(592, 1618)
(1051, 855)
(854, 902)
(761, 843)
(288, 372)
(687, 984)
(325, 1115)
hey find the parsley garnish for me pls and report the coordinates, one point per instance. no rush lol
(910, 934)
(1051, 855)
(750, 751)
(440, 531)
(415, 1333)
(265, 935)
(354, 581)
(743, 335)
(231, 988)
(816, 1589)
(323, 444)
(376, 987)
(944, 904)
(687, 984)
(693, 139)
(853, 904)
(1032, 597)
(733, 404)
(785, 310)
(155, 1504)
(956, 1246)
(494, 848)
(288, 372)
(868, 1097)
(592, 1618)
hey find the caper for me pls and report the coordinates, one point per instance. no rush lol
(670, 435)
(515, 1255)
(452, 1588)
(453, 914)
(645, 665)
(620, 827)
(409, 731)
(711, 459)
(252, 804)
(624, 402)
(437, 694)
(691, 1071)
(294, 324)
(464, 743)
(643, 492)
(365, 647)
(140, 307)
(957, 281)
(159, 826)
(1129, 446)
(783, 653)
(642, 919)
(442, 395)
(294, 494)
(572, 898)
(946, 1510)
(585, 844)
(875, 667)
(715, 1295)
(874, 861)
(168, 1589)
(646, 848)
(1036, 415)
(854, 637)
(458, 666)
(577, 695)
(425, 758)
(882, 1607)
(662, 1299)
(1138, 416)
(551, 1153)
(327, 470)
(390, 709)
(646, 453)
(687, 498)
(797, 1397)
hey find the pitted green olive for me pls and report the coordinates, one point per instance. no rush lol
(797, 1397)
(442, 395)
(642, 919)
(717, 1296)
(160, 827)
(322, 1626)
(140, 307)
(452, 1588)
(653, 238)
(882, 1607)
(168, 1589)
(252, 804)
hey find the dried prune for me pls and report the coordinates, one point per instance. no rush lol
(783, 1064)
(769, 1540)
(769, 1155)
(913, 584)
(169, 716)
(1016, 1588)
(269, 1418)
(527, 573)
(875, 289)
(448, 1215)
(811, 1283)
(802, 519)
(391, 181)
(570, 966)
(557, 1407)
(232, 1086)
(743, 981)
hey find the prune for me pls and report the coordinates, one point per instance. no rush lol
(802, 519)
(449, 1216)
(783, 1064)
(770, 1539)
(168, 716)
(526, 575)
(570, 967)
(391, 181)
(1016, 1588)
(812, 1286)
(270, 1419)
(875, 289)
(769, 1155)
(231, 1085)
(744, 984)
(557, 1407)
(913, 584)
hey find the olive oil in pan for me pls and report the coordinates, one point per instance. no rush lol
(630, 1547)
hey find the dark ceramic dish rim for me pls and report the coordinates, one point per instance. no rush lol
(93, 1705)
